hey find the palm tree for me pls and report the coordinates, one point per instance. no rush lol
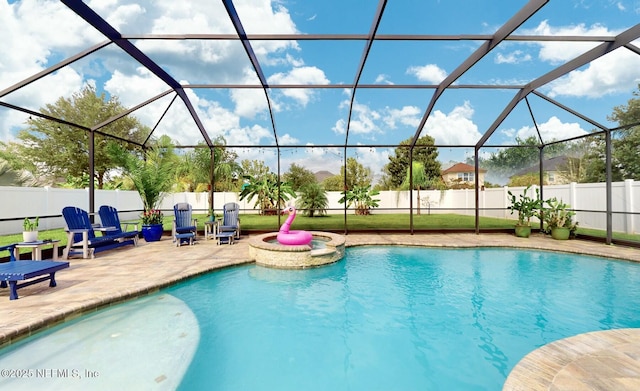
(420, 180)
(265, 191)
(362, 197)
(313, 198)
(152, 173)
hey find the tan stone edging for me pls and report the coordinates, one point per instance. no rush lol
(581, 362)
(295, 257)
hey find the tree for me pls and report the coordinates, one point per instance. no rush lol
(151, 171)
(313, 200)
(270, 195)
(625, 160)
(362, 197)
(190, 175)
(194, 170)
(507, 161)
(525, 180)
(357, 175)
(626, 146)
(298, 177)
(57, 150)
(333, 183)
(418, 178)
(594, 161)
(254, 168)
(424, 152)
(227, 172)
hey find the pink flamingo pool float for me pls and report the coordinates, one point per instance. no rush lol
(295, 237)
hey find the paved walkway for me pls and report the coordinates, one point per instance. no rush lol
(128, 272)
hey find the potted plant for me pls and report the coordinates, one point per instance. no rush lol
(152, 225)
(558, 219)
(151, 173)
(527, 208)
(30, 229)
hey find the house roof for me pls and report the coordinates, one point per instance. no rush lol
(461, 167)
(552, 164)
(322, 175)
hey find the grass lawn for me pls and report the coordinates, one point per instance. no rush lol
(400, 222)
(372, 222)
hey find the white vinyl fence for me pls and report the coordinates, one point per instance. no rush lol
(589, 199)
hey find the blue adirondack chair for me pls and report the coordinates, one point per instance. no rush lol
(231, 219)
(82, 238)
(113, 227)
(184, 225)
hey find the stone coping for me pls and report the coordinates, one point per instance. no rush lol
(267, 253)
(599, 360)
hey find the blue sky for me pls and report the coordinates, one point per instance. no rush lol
(38, 34)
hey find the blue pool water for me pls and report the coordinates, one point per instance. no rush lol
(384, 318)
(393, 318)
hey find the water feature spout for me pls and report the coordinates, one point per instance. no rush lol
(290, 237)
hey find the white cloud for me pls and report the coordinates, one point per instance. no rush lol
(267, 17)
(249, 135)
(332, 159)
(553, 129)
(617, 72)
(249, 102)
(340, 127)
(407, 115)
(363, 119)
(560, 52)
(30, 45)
(373, 158)
(301, 75)
(515, 57)
(123, 16)
(128, 87)
(384, 79)
(287, 139)
(455, 128)
(430, 73)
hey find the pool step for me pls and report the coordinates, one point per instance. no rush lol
(323, 252)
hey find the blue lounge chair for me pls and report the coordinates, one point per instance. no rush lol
(109, 219)
(231, 219)
(184, 226)
(82, 238)
(13, 271)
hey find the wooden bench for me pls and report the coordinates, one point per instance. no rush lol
(13, 271)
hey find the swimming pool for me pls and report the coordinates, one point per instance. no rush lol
(385, 318)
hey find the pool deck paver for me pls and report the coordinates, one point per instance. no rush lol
(602, 360)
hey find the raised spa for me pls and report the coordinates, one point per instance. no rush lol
(266, 251)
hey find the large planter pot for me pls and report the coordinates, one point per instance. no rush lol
(152, 232)
(523, 231)
(560, 233)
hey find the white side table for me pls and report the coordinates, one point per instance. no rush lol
(210, 228)
(36, 248)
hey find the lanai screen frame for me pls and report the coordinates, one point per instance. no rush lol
(489, 42)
